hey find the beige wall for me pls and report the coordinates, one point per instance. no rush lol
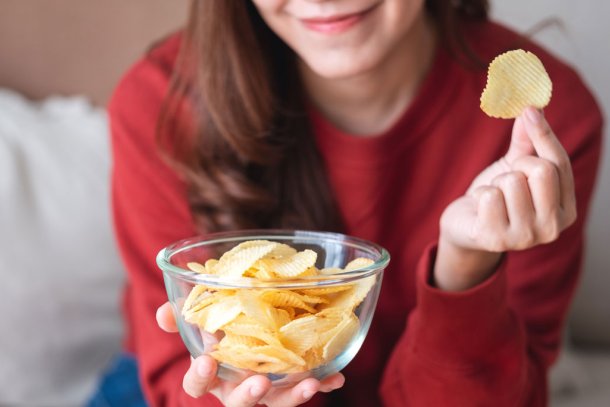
(78, 46)
(584, 42)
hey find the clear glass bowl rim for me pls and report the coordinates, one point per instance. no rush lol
(164, 255)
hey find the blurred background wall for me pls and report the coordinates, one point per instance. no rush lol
(75, 46)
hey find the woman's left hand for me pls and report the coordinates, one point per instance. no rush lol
(522, 200)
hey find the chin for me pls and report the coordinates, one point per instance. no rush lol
(341, 68)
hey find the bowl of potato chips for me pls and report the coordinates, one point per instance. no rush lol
(282, 303)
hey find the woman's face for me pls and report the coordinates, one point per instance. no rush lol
(341, 38)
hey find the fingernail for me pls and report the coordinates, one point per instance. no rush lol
(533, 115)
(307, 394)
(204, 369)
(256, 391)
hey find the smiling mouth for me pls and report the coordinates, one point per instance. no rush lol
(336, 24)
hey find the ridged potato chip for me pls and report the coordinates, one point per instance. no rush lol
(351, 298)
(341, 336)
(221, 313)
(210, 266)
(246, 326)
(360, 262)
(238, 260)
(515, 80)
(245, 357)
(276, 330)
(290, 266)
(196, 267)
(285, 298)
(325, 290)
(231, 340)
(302, 334)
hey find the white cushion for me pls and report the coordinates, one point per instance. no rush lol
(60, 273)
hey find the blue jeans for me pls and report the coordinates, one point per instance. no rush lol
(119, 386)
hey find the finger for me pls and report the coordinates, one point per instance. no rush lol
(296, 395)
(491, 209)
(200, 376)
(543, 180)
(165, 318)
(520, 143)
(249, 392)
(331, 383)
(548, 147)
(492, 218)
(517, 199)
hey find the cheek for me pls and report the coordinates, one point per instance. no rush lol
(267, 6)
(272, 12)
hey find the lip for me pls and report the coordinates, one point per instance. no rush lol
(336, 24)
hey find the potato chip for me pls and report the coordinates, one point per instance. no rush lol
(203, 300)
(313, 358)
(263, 273)
(358, 263)
(331, 270)
(221, 313)
(196, 294)
(281, 353)
(341, 336)
(238, 260)
(290, 266)
(276, 330)
(245, 357)
(252, 306)
(283, 298)
(230, 340)
(262, 359)
(515, 80)
(300, 334)
(246, 326)
(309, 272)
(281, 317)
(282, 250)
(351, 298)
(196, 267)
(325, 290)
(210, 266)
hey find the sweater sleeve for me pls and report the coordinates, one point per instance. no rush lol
(493, 344)
(150, 211)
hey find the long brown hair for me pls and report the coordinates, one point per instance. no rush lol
(235, 123)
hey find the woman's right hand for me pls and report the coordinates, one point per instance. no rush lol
(201, 378)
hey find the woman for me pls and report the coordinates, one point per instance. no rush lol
(360, 116)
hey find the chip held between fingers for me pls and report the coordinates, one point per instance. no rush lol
(515, 80)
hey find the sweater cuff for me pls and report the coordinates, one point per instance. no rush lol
(457, 328)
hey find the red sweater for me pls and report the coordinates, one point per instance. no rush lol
(489, 346)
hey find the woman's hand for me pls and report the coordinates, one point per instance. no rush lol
(522, 200)
(201, 379)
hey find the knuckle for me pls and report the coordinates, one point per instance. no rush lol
(510, 181)
(551, 232)
(491, 195)
(528, 238)
(544, 170)
(493, 243)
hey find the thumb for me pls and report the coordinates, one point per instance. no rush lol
(520, 142)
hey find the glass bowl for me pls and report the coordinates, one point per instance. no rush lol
(326, 335)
